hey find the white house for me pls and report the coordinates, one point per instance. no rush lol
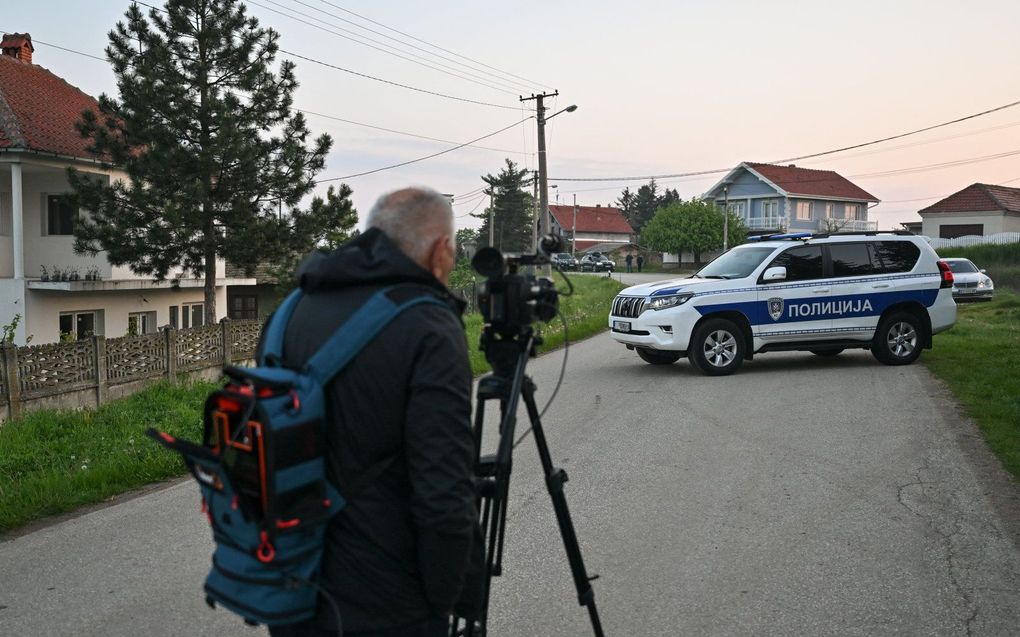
(38, 142)
(978, 209)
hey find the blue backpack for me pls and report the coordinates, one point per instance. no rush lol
(262, 472)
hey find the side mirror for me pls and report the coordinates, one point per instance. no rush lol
(777, 273)
(983, 271)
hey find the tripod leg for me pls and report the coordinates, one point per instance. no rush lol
(554, 479)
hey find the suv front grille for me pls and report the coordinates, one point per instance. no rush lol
(629, 306)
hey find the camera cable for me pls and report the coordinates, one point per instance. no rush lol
(563, 370)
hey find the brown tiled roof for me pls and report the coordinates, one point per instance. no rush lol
(592, 219)
(979, 198)
(38, 110)
(811, 183)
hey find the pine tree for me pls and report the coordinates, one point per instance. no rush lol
(512, 208)
(626, 204)
(646, 202)
(217, 163)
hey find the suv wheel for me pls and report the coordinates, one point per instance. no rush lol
(898, 339)
(717, 347)
(656, 357)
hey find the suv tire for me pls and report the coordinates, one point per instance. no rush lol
(898, 339)
(717, 347)
(656, 357)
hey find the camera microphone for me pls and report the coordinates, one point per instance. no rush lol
(550, 244)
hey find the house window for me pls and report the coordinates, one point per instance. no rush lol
(173, 317)
(60, 215)
(79, 325)
(954, 230)
(244, 306)
(770, 208)
(192, 315)
(737, 208)
(804, 210)
(141, 323)
(852, 211)
(6, 219)
(830, 211)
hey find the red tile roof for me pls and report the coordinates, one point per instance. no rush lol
(38, 110)
(810, 182)
(979, 198)
(592, 219)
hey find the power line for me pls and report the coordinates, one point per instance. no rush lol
(397, 132)
(414, 161)
(468, 214)
(371, 46)
(398, 84)
(435, 46)
(509, 83)
(788, 159)
(370, 77)
(938, 166)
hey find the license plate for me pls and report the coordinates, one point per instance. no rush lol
(621, 326)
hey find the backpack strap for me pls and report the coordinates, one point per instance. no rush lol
(360, 328)
(272, 348)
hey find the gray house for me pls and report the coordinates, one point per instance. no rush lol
(787, 198)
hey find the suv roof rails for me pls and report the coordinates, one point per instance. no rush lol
(868, 233)
(784, 235)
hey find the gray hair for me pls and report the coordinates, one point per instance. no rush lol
(413, 218)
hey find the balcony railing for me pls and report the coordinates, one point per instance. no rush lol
(846, 225)
(772, 222)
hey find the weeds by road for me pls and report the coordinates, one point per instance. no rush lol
(52, 462)
(980, 361)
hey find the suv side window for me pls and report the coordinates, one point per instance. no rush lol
(802, 263)
(850, 259)
(894, 257)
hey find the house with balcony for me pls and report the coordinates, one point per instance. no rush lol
(774, 198)
(589, 227)
(61, 295)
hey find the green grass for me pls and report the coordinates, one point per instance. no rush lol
(980, 361)
(55, 461)
(52, 462)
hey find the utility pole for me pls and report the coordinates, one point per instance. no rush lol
(534, 217)
(573, 231)
(543, 184)
(492, 227)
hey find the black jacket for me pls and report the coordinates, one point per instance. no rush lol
(400, 550)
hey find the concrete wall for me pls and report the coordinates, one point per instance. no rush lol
(993, 222)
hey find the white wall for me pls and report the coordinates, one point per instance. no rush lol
(44, 308)
(994, 222)
(12, 301)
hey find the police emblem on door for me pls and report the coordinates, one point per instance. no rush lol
(775, 308)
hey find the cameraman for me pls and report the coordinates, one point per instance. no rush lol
(399, 555)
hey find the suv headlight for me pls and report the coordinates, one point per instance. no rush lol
(663, 302)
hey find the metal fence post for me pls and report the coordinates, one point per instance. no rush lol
(170, 340)
(10, 356)
(99, 348)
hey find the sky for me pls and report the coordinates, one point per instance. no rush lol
(661, 88)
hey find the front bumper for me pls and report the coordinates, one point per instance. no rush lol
(972, 294)
(667, 330)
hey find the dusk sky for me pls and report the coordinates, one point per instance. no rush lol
(661, 87)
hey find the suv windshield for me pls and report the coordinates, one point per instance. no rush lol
(962, 267)
(735, 264)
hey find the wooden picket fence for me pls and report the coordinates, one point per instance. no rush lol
(94, 366)
(1002, 238)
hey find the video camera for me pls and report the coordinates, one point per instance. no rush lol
(510, 301)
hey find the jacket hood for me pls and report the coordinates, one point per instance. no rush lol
(371, 258)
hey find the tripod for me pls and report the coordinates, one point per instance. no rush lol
(508, 355)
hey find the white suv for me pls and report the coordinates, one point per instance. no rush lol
(883, 291)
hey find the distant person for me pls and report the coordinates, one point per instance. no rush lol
(629, 260)
(640, 262)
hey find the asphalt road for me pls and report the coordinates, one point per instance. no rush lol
(801, 496)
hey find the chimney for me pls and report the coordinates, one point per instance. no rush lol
(598, 205)
(18, 45)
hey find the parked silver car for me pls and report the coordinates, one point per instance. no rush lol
(969, 282)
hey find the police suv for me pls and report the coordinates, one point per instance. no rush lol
(883, 291)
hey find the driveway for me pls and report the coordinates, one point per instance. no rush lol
(802, 496)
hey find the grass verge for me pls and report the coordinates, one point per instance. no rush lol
(52, 462)
(980, 361)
